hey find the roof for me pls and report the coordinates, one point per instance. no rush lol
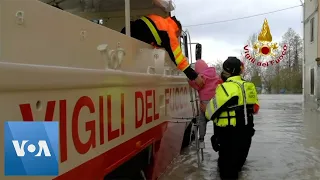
(99, 5)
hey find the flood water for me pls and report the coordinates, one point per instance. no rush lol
(286, 146)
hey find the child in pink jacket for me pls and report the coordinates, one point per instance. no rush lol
(207, 92)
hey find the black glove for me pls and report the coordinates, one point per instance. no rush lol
(194, 120)
(214, 143)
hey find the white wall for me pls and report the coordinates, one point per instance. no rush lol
(311, 48)
(0, 30)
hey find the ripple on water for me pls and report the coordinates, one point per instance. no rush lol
(286, 145)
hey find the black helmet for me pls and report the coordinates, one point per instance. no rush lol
(232, 65)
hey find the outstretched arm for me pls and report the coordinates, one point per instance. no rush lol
(172, 46)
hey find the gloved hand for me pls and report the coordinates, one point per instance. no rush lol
(214, 143)
(251, 131)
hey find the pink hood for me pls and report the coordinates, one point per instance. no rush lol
(212, 80)
(200, 66)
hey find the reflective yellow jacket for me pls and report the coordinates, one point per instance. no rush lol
(229, 95)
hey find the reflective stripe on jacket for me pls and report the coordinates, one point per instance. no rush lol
(220, 109)
(168, 25)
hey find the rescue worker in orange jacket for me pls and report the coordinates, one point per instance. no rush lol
(165, 33)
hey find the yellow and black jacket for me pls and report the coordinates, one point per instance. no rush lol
(227, 107)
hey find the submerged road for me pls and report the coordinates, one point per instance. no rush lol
(286, 146)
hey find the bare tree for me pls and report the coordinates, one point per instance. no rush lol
(252, 71)
(285, 75)
(288, 72)
(218, 66)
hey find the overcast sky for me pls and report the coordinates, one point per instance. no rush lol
(227, 39)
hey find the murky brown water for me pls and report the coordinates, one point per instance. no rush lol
(286, 145)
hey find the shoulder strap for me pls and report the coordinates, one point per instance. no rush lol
(244, 99)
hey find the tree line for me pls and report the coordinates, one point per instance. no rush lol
(282, 77)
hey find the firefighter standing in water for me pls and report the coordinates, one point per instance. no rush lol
(233, 128)
(165, 33)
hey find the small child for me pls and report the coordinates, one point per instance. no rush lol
(207, 92)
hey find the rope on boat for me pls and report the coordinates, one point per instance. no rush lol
(183, 120)
(182, 117)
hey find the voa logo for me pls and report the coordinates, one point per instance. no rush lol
(42, 148)
(31, 148)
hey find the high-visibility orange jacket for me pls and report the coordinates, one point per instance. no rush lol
(165, 31)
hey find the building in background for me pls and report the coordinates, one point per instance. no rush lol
(311, 80)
